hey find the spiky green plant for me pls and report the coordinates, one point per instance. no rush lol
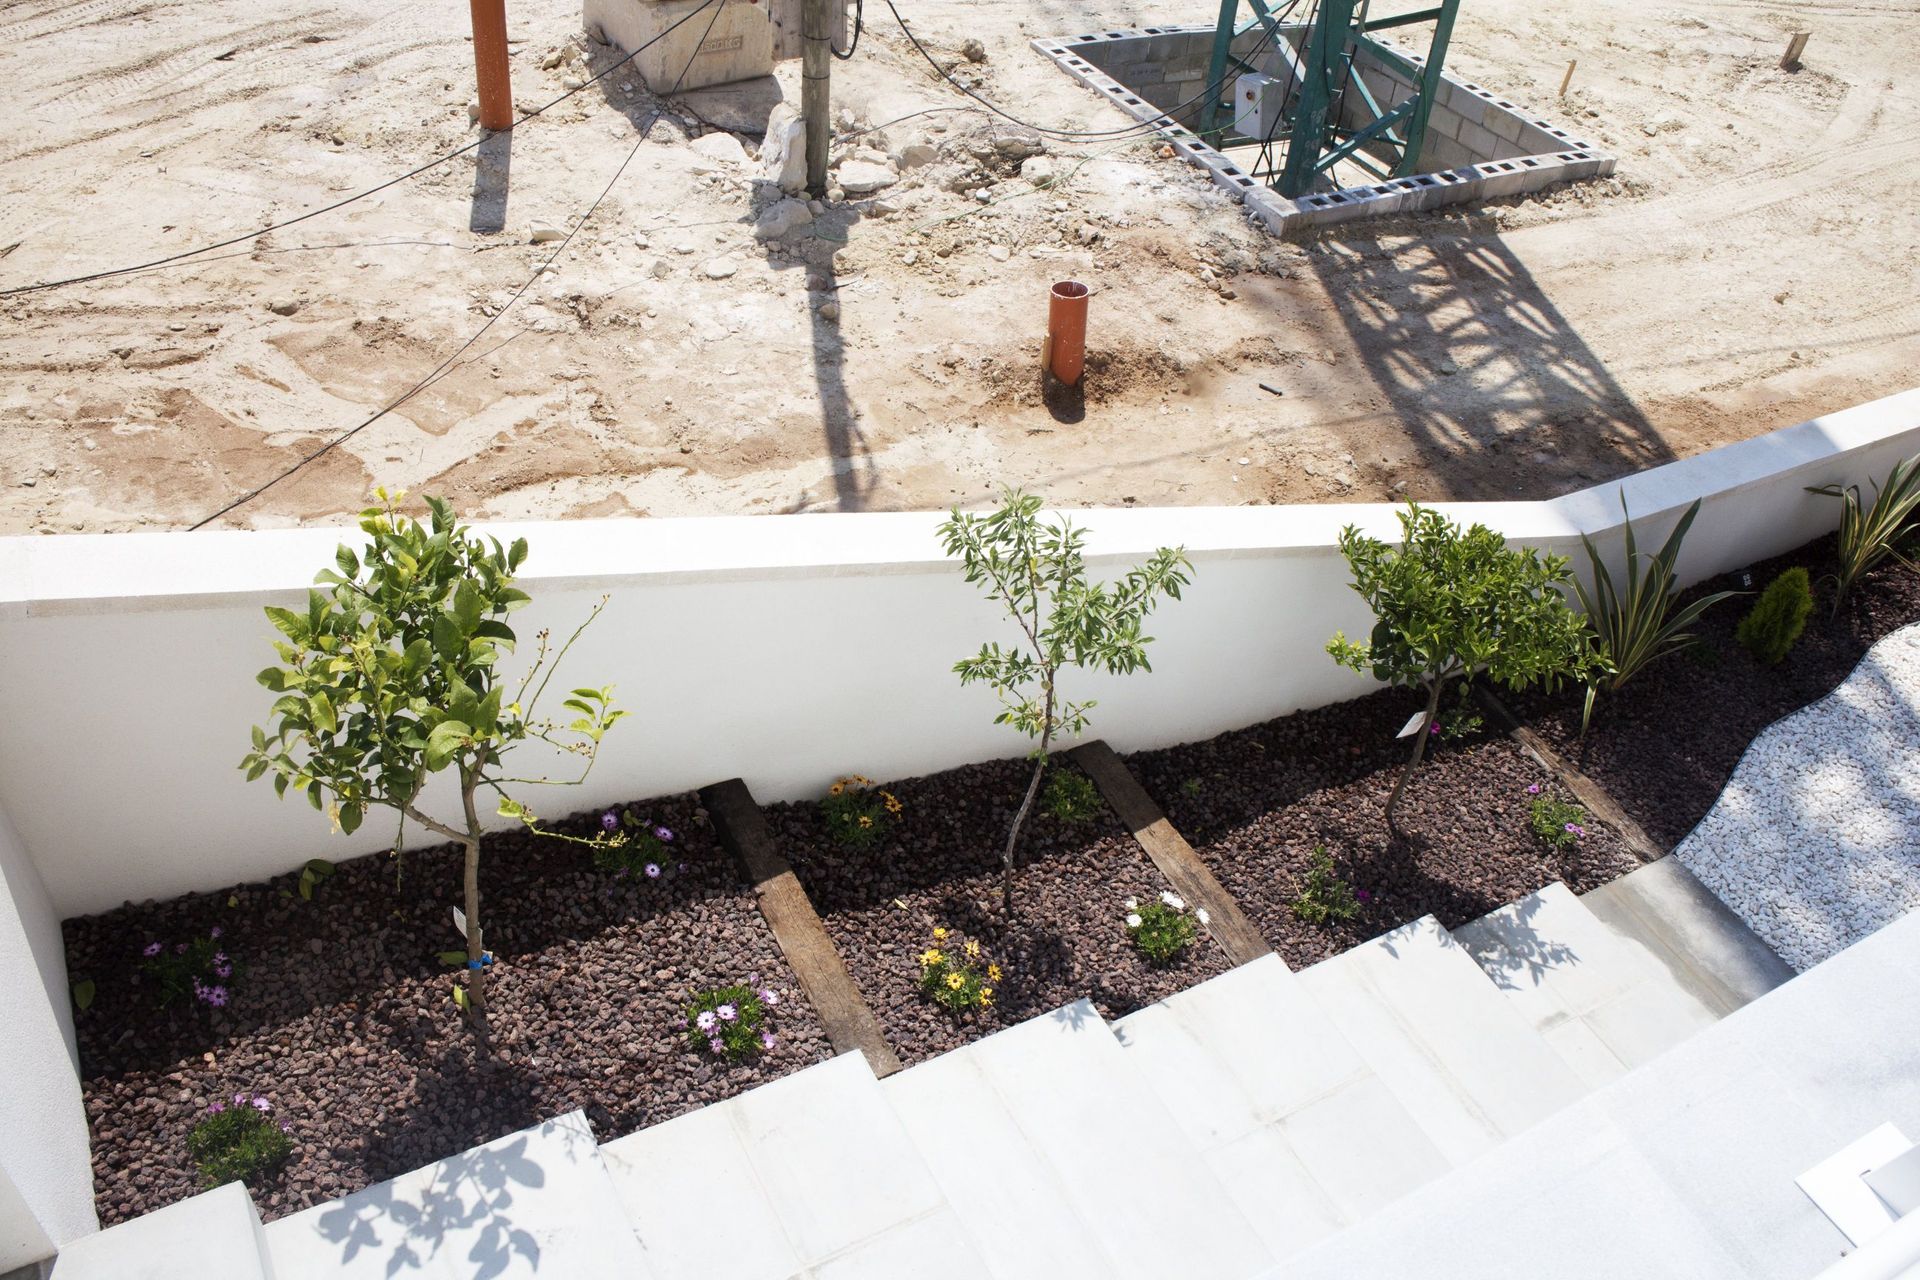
(1634, 628)
(1870, 535)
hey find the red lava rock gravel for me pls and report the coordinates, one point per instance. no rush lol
(940, 866)
(1254, 804)
(341, 1012)
(1665, 747)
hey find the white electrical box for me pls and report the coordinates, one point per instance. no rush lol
(1257, 103)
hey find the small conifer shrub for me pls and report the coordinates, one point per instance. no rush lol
(1770, 630)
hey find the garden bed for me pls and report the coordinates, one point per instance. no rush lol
(341, 1012)
(939, 866)
(1257, 802)
(1667, 744)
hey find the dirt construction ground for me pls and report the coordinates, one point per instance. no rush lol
(1755, 261)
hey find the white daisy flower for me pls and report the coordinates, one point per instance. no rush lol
(1201, 915)
(1173, 900)
(1133, 921)
(1133, 904)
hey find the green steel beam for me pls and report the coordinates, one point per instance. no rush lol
(1217, 69)
(1402, 20)
(1392, 57)
(1427, 88)
(1363, 137)
(1322, 60)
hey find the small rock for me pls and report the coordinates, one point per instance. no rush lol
(572, 82)
(543, 233)
(1448, 367)
(660, 270)
(974, 51)
(283, 306)
(915, 154)
(1018, 146)
(998, 252)
(830, 310)
(783, 156)
(1037, 170)
(720, 268)
(721, 146)
(553, 58)
(863, 176)
(781, 219)
(473, 110)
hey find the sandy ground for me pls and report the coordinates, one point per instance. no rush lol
(1755, 262)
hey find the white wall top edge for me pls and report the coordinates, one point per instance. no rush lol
(66, 573)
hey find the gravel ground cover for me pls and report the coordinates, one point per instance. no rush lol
(340, 1012)
(1666, 746)
(1257, 802)
(939, 867)
(1812, 840)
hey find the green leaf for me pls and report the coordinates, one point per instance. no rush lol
(454, 957)
(291, 625)
(444, 742)
(447, 640)
(306, 885)
(350, 815)
(320, 708)
(83, 993)
(348, 562)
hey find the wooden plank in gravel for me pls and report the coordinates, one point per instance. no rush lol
(796, 926)
(1170, 852)
(1588, 792)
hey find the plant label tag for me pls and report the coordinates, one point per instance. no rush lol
(1413, 725)
(460, 922)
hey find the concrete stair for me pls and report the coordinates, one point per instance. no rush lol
(1061, 1160)
(1597, 995)
(1457, 1055)
(1243, 1123)
(216, 1235)
(812, 1176)
(538, 1203)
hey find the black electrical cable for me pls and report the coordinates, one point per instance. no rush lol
(338, 204)
(859, 21)
(445, 366)
(1143, 128)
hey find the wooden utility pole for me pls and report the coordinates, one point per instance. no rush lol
(816, 66)
(490, 63)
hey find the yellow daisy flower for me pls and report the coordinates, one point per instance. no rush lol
(993, 973)
(939, 933)
(973, 948)
(865, 821)
(931, 957)
(955, 981)
(837, 788)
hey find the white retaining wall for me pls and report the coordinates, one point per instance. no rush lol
(46, 1181)
(783, 649)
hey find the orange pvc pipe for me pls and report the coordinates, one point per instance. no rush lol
(1066, 357)
(490, 63)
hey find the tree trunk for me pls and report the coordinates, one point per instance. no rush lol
(476, 954)
(476, 951)
(1013, 836)
(1419, 750)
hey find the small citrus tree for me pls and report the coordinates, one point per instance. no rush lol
(1450, 604)
(390, 675)
(1038, 573)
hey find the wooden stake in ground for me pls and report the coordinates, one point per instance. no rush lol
(490, 63)
(1796, 46)
(1567, 79)
(816, 68)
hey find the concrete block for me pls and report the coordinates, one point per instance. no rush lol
(1479, 144)
(215, 1235)
(738, 47)
(1504, 125)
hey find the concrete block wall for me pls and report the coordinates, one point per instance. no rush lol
(1478, 145)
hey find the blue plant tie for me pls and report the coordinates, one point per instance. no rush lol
(486, 960)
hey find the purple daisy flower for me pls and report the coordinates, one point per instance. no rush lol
(770, 996)
(153, 949)
(715, 1045)
(1363, 895)
(261, 1104)
(609, 821)
(766, 1040)
(214, 932)
(215, 1108)
(223, 971)
(1533, 789)
(664, 834)
(706, 1020)
(217, 996)
(653, 871)
(727, 1013)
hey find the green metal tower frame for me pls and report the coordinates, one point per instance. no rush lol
(1314, 138)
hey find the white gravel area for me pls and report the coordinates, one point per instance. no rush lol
(1816, 840)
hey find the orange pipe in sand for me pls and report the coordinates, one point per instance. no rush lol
(1066, 357)
(490, 63)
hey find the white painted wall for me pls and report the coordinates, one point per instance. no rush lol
(46, 1178)
(785, 650)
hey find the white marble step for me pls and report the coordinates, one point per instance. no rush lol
(1061, 1161)
(215, 1235)
(1599, 997)
(809, 1176)
(1457, 1054)
(537, 1203)
(1291, 1120)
